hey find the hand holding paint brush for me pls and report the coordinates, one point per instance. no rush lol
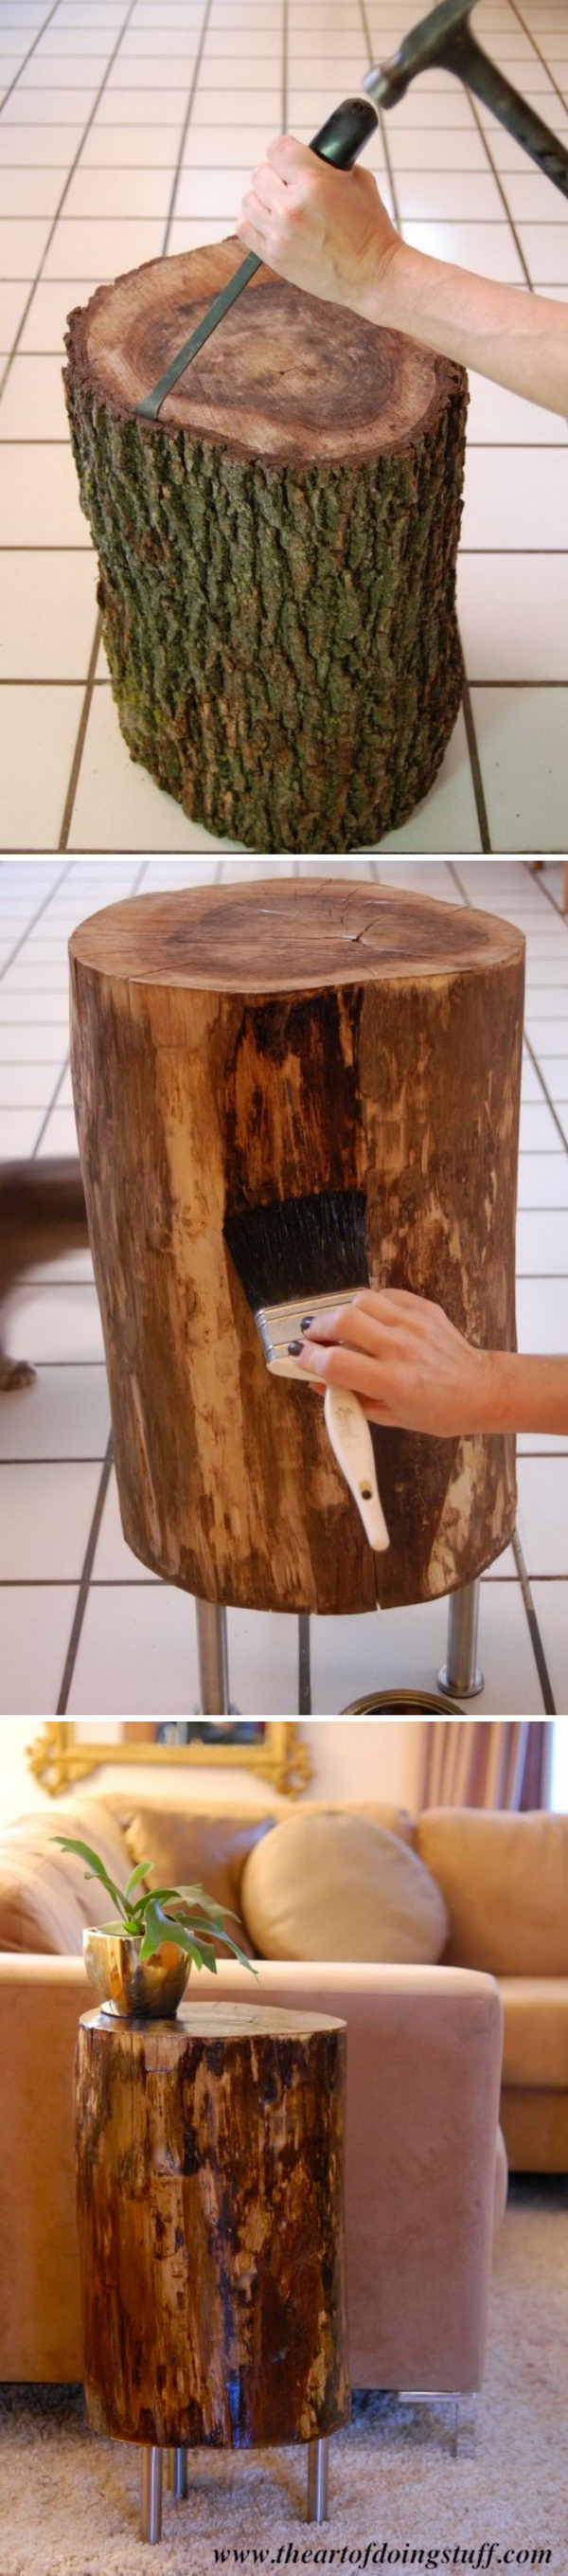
(283, 1253)
(409, 1366)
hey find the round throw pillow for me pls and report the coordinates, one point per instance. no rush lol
(336, 1886)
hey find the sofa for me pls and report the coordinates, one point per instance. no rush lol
(425, 2163)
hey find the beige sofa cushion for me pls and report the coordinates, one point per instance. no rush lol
(535, 2051)
(194, 1848)
(45, 1896)
(336, 1886)
(505, 1882)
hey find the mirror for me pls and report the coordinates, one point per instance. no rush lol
(68, 1750)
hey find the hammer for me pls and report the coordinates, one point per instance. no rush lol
(445, 38)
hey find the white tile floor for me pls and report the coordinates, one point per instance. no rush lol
(128, 128)
(84, 1628)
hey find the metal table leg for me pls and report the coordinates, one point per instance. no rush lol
(213, 1660)
(461, 1673)
(318, 2467)
(177, 2472)
(151, 2509)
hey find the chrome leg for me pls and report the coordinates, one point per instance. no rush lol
(177, 2472)
(318, 2466)
(151, 2512)
(465, 2427)
(460, 1673)
(463, 2406)
(213, 1662)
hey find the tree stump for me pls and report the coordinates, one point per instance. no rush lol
(209, 2167)
(277, 553)
(246, 1043)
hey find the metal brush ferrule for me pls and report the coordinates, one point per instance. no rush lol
(279, 1325)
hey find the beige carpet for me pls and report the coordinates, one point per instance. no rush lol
(69, 2502)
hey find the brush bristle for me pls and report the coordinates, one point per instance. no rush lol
(306, 1247)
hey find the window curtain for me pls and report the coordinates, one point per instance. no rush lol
(478, 1764)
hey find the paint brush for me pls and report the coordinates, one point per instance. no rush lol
(294, 1258)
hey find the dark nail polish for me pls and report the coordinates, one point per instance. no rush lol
(294, 1347)
(306, 1319)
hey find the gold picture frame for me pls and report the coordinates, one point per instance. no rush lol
(59, 1757)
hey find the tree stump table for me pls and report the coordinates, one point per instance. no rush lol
(277, 551)
(209, 2163)
(241, 1044)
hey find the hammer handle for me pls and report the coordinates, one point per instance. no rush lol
(462, 54)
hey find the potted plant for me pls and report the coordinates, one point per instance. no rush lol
(140, 1962)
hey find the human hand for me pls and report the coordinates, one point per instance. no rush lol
(405, 1360)
(323, 229)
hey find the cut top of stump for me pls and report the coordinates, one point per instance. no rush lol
(283, 377)
(288, 934)
(211, 2022)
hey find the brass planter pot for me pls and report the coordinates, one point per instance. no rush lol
(128, 1986)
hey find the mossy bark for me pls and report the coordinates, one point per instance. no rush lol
(282, 638)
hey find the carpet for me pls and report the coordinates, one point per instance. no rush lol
(69, 2501)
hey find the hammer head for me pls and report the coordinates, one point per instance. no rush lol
(424, 45)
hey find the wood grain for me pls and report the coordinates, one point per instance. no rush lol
(284, 376)
(209, 2167)
(233, 1047)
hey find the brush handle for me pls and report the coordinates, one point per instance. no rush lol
(348, 1430)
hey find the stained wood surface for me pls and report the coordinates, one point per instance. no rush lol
(210, 2215)
(284, 376)
(281, 933)
(361, 1039)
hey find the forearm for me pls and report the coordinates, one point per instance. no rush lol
(517, 339)
(525, 1394)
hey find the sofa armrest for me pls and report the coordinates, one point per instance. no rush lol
(423, 2074)
(424, 2048)
(41, 1999)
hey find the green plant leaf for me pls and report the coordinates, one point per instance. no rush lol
(136, 1875)
(159, 1927)
(139, 1910)
(96, 1867)
(209, 1903)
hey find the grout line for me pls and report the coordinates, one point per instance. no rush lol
(475, 766)
(111, 1583)
(532, 1621)
(67, 816)
(541, 58)
(155, 1582)
(70, 175)
(83, 1283)
(8, 93)
(535, 1635)
(556, 907)
(81, 1602)
(548, 1096)
(382, 123)
(185, 129)
(498, 181)
(78, 1458)
(284, 42)
(30, 925)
